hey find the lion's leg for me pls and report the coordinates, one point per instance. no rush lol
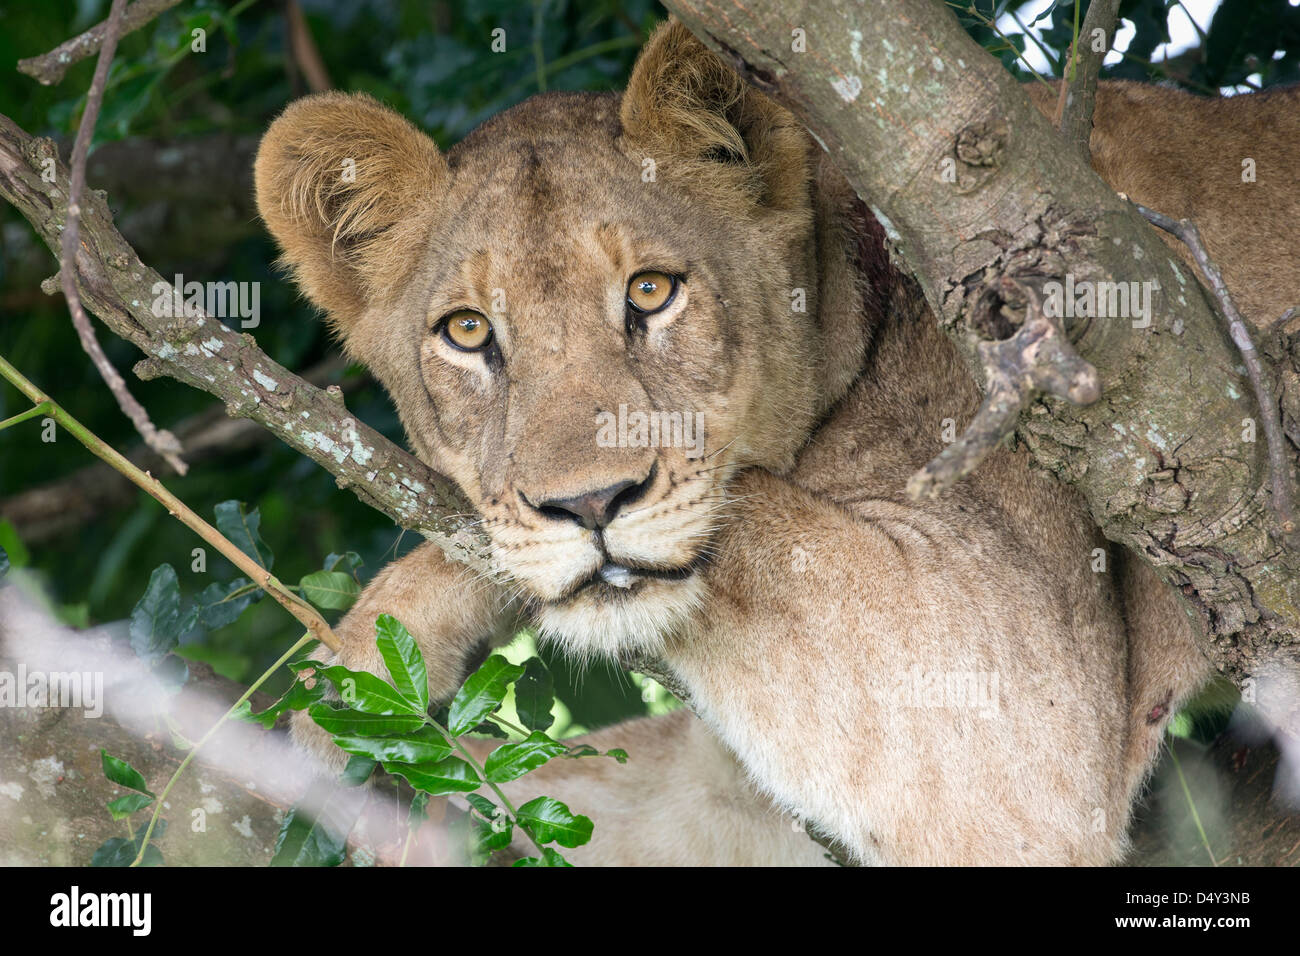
(680, 800)
(912, 679)
(449, 610)
(1165, 666)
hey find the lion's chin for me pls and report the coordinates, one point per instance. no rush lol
(616, 619)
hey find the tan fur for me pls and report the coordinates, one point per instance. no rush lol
(817, 592)
(1182, 155)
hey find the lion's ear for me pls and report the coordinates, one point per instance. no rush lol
(347, 187)
(703, 125)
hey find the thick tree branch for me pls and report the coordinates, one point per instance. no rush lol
(202, 352)
(899, 96)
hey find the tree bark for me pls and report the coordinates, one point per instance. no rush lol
(897, 94)
(204, 353)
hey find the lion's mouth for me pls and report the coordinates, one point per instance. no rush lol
(614, 578)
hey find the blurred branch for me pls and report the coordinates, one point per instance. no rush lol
(50, 68)
(306, 55)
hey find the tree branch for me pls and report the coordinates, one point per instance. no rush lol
(202, 352)
(162, 442)
(49, 68)
(1279, 466)
(1079, 91)
(900, 95)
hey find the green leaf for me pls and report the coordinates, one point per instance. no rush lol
(347, 561)
(548, 819)
(171, 672)
(452, 775)
(418, 811)
(341, 721)
(116, 851)
(241, 527)
(511, 761)
(403, 659)
(491, 830)
(298, 697)
(367, 693)
(481, 693)
(216, 606)
(549, 858)
(495, 835)
(128, 804)
(156, 621)
(535, 695)
(333, 590)
(618, 753)
(123, 774)
(16, 552)
(303, 841)
(119, 851)
(357, 771)
(425, 745)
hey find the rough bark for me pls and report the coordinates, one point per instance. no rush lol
(897, 92)
(202, 352)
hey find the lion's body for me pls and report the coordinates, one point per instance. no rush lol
(955, 681)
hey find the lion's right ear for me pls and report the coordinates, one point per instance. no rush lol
(347, 187)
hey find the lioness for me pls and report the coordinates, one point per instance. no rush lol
(945, 682)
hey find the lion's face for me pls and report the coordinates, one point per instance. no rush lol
(590, 314)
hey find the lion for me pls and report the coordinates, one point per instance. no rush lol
(943, 682)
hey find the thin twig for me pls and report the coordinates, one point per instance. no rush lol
(50, 68)
(189, 757)
(162, 442)
(1279, 468)
(1191, 804)
(304, 612)
(1075, 112)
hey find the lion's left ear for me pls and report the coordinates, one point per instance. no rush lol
(705, 127)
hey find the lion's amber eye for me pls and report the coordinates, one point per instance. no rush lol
(467, 330)
(650, 291)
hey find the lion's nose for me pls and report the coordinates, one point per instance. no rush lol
(595, 509)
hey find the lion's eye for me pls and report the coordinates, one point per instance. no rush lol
(650, 291)
(467, 330)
